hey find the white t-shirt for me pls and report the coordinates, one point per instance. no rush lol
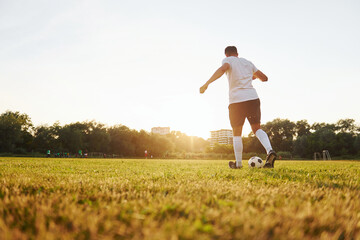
(240, 79)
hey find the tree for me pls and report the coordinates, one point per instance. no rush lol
(223, 148)
(159, 145)
(345, 143)
(318, 126)
(46, 138)
(357, 144)
(252, 144)
(323, 138)
(301, 147)
(72, 137)
(97, 138)
(281, 133)
(302, 127)
(184, 143)
(347, 125)
(15, 133)
(122, 140)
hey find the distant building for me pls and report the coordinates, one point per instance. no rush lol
(161, 130)
(222, 136)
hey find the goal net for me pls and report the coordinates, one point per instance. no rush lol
(325, 155)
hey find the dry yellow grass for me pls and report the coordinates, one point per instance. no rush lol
(177, 199)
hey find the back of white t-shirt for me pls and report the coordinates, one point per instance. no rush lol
(240, 79)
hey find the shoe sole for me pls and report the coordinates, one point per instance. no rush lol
(273, 158)
(268, 166)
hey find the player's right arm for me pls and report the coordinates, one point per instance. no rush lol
(218, 73)
(260, 75)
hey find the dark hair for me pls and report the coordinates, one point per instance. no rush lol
(230, 50)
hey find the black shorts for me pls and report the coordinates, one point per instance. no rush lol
(239, 111)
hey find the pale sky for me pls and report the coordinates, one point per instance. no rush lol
(141, 63)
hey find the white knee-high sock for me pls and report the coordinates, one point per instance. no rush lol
(238, 149)
(264, 139)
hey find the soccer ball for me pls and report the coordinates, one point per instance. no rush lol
(255, 162)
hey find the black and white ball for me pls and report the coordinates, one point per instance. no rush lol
(255, 162)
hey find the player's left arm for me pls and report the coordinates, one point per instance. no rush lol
(218, 73)
(260, 75)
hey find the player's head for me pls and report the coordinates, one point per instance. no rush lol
(231, 51)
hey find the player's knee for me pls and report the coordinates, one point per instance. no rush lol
(237, 131)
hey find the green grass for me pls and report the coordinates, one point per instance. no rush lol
(177, 199)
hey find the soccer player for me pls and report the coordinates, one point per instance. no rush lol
(243, 102)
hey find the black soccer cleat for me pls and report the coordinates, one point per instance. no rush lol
(232, 165)
(270, 159)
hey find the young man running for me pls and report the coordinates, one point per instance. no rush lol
(243, 102)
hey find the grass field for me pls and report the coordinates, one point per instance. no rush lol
(177, 199)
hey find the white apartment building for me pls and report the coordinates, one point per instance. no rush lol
(160, 130)
(222, 136)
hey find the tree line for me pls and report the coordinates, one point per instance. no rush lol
(300, 139)
(18, 135)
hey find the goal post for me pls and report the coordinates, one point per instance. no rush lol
(317, 156)
(326, 155)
